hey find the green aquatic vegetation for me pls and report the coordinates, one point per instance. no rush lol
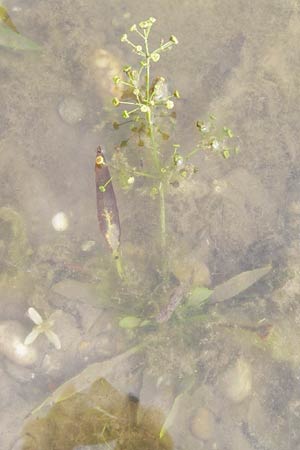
(10, 37)
(147, 107)
(14, 246)
(99, 414)
(193, 299)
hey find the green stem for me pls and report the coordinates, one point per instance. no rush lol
(119, 264)
(192, 152)
(155, 151)
(162, 215)
(154, 146)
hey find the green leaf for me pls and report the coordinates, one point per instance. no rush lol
(238, 284)
(124, 143)
(6, 20)
(15, 41)
(174, 411)
(198, 297)
(130, 322)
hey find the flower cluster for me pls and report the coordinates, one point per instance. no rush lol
(139, 96)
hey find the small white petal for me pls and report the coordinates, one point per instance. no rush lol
(54, 339)
(35, 316)
(31, 336)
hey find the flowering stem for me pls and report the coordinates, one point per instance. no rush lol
(154, 148)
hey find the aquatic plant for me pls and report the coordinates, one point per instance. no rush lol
(146, 102)
(10, 37)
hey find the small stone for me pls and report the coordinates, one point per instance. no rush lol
(202, 424)
(12, 335)
(238, 381)
(60, 221)
(71, 110)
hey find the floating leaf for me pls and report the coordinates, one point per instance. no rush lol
(13, 40)
(238, 284)
(199, 296)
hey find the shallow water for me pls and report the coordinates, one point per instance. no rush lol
(221, 374)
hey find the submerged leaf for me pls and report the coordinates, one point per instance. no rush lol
(170, 419)
(104, 369)
(5, 19)
(14, 40)
(238, 284)
(199, 296)
(107, 209)
(130, 322)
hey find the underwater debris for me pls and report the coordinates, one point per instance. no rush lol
(176, 297)
(41, 326)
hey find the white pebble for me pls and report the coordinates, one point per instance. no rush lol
(60, 221)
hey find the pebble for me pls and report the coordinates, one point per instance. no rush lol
(71, 110)
(60, 221)
(12, 335)
(202, 424)
(238, 381)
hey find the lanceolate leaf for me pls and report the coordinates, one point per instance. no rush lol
(5, 19)
(238, 284)
(198, 297)
(107, 209)
(14, 40)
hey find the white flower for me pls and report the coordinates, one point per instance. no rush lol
(41, 326)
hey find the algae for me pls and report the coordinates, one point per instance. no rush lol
(17, 249)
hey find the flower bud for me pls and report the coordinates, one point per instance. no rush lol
(115, 101)
(145, 108)
(133, 27)
(155, 57)
(116, 79)
(173, 39)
